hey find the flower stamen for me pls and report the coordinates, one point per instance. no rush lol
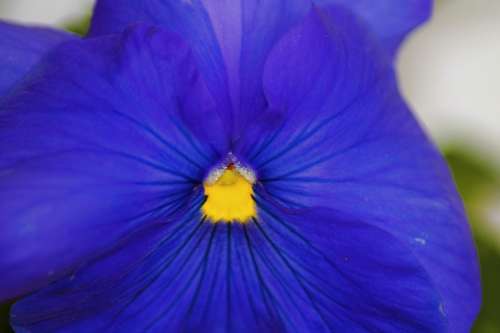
(229, 191)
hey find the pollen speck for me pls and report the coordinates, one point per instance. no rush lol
(228, 194)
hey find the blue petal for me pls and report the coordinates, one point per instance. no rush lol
(21, 48)
(230, 39)
(337, 134)
(309, 271)
(97, 144)
(389, 20)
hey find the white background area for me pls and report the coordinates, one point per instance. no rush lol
(450, 74)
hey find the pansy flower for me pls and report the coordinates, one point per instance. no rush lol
(225, 166)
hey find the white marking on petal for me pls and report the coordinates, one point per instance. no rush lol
(219, 169)
(247, 173)
(442, 310)
(421, 241)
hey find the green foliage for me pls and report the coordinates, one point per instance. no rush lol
(489, 318)
(80, 27)
(4, 318)
(473, 175)
(476, 179)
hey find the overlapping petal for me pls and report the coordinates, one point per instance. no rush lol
(96, 144)
(341, 137)
(310, 271)
(230, 40)
(21, 48)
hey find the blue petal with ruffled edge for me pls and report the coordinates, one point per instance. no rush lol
(332, 132)
(21, 48)
(347, 141)
(94, 147)
(344, 139)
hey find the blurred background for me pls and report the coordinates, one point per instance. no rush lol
(449, 72)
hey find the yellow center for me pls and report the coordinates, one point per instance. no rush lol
(229, 198)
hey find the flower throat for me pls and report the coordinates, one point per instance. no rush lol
(229, 194)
